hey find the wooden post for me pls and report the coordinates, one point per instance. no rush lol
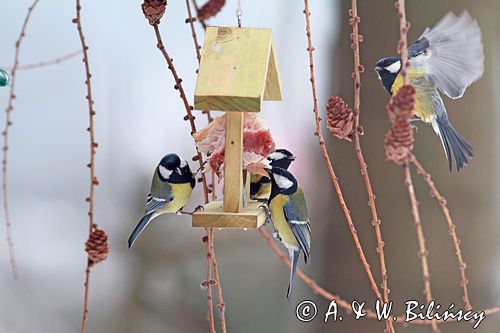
(233, 163)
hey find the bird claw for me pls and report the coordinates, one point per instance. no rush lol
(414, 127)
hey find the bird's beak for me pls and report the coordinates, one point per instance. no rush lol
(178, 170)
(291, 158)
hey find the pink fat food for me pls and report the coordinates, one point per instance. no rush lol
(257, 143)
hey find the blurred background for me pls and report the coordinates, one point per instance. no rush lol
(156, 286)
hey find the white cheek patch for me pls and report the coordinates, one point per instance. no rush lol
(395, 67)
(183, 163)
(282, 182)
(276, 156)
(165, 173)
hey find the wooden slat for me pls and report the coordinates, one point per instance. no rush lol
(233, 167)
(213, 216)
(236, 66)
(272, 90)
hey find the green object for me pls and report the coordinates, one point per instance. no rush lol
(4, 78)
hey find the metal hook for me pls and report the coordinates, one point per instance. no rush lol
(239, 13)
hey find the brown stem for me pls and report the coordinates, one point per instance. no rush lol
(403, 40)
(423, 253)
(93, 146)
(5, 133)
(221, 306)
(358, 68)
(333, 176)
(209, 259)
(47, 62)
(189, 117)
(197, 48)
(451, 228)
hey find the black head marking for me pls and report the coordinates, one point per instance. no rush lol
(283, 182)
(170, 170)
(388, 69)
(281, 158)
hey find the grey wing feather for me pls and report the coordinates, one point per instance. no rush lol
(298, 220)
(154, 204)
(454, 56)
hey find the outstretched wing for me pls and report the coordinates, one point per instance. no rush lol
(451, 52)
(298, 219)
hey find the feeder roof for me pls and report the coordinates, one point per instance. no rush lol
(238, 69)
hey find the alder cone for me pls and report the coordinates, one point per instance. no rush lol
(399, 139)
(210, 9)
(97, 246)
(340, 118)
(154, 10)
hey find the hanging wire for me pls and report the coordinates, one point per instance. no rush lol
(239, 13)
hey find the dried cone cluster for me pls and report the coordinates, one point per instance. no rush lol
(399, 140)
(154, 10)
(340, 118)
(97, 246)
(210, 9)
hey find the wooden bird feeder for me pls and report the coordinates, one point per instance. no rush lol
(238, 70)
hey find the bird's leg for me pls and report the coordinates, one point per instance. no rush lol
(269, 219)
(197, 209)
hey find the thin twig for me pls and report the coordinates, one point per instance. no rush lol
(422, 253)
(47, 62)
(93, 146)
(376, 222)
(402, 48)
(208, 285)
(221, 306)
(189, 117)
(451, 228)
(333, 176)
(5, 133)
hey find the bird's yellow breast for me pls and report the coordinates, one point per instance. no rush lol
(181, 194)
(279, 220)
(425, 90)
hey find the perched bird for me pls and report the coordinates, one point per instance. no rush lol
(290, 218)
(171, 188)
(447, 58)
(260, 186)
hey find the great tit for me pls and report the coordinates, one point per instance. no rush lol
(171, 188)
(290, 218)
(260, 186)
(447, 58)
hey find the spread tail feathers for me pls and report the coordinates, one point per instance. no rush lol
(139, 228)
(453, 142)
(294, 259)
